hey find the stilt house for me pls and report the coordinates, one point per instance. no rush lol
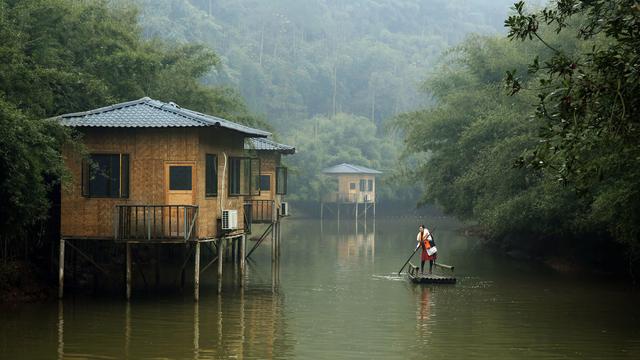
(157, 172)
(269, 204)
(356, 184)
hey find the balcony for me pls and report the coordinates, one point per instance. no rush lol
(262, 211)
(156, 223)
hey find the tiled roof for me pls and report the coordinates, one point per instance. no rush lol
(149, 113)
(264, 144)
(350, 169)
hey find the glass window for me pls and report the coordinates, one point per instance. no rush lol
(180, 177)
(211, 177)
(265, 182)
(370, 185)
(352, 186)
(281, 180)
(244, 176)
(363, 185)
(106, 175)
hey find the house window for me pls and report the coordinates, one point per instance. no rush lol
(352, 186)
(106, 175)
(281, 180)
(370, 183)
(363, 185)
(211, 176)
(265, 182)
(244, 176)
(180, 178)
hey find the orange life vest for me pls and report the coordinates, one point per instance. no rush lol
(424, 240)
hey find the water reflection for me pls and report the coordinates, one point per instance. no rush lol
(248, 323)
(340, 303)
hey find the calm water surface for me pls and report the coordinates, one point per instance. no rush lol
(335, 295)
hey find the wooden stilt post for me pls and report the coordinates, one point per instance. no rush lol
(273, 241)
(220, 260)
(128, 271)
(243, 250)
(338, 203)
(234, 243)
(196, 274)
(61, 270)
(365, 212)
(279, 238)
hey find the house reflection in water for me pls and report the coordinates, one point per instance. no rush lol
(249, 324)
(356, 246)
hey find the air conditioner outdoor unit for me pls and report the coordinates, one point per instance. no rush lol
(284, 208)
(229, 219)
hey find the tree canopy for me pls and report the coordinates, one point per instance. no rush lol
(556, 162)
(61, 56)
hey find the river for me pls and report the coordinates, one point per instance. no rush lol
(335, 295)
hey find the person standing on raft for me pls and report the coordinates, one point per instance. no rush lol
(425, 240)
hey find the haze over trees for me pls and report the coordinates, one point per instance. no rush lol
(304, 63)
(399, 86)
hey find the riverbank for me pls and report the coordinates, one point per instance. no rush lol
(21, 282)
(578, 254)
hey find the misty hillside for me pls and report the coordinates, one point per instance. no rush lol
(293, 59)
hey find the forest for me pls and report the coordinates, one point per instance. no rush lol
(522, 122)
(328, 75)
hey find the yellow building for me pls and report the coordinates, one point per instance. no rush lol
(355, 185)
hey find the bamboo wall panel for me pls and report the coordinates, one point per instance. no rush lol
(149, 150)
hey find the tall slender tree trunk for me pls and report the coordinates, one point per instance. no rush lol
(373, 104)
(335, 87)
(261, 44)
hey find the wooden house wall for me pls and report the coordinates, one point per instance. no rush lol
(149, 150)
(218, 142)
(347, 194)
(269, 160)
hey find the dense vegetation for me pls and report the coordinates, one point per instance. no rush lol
(341, 65)
(63, 56)
(560, 177)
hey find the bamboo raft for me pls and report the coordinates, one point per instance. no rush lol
(415, 277)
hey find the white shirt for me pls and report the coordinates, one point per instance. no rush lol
(426, 233)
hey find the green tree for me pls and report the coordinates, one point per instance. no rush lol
(588, 104)
(61, 56)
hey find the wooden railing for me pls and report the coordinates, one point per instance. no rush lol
(156, 222)
(262, 211)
